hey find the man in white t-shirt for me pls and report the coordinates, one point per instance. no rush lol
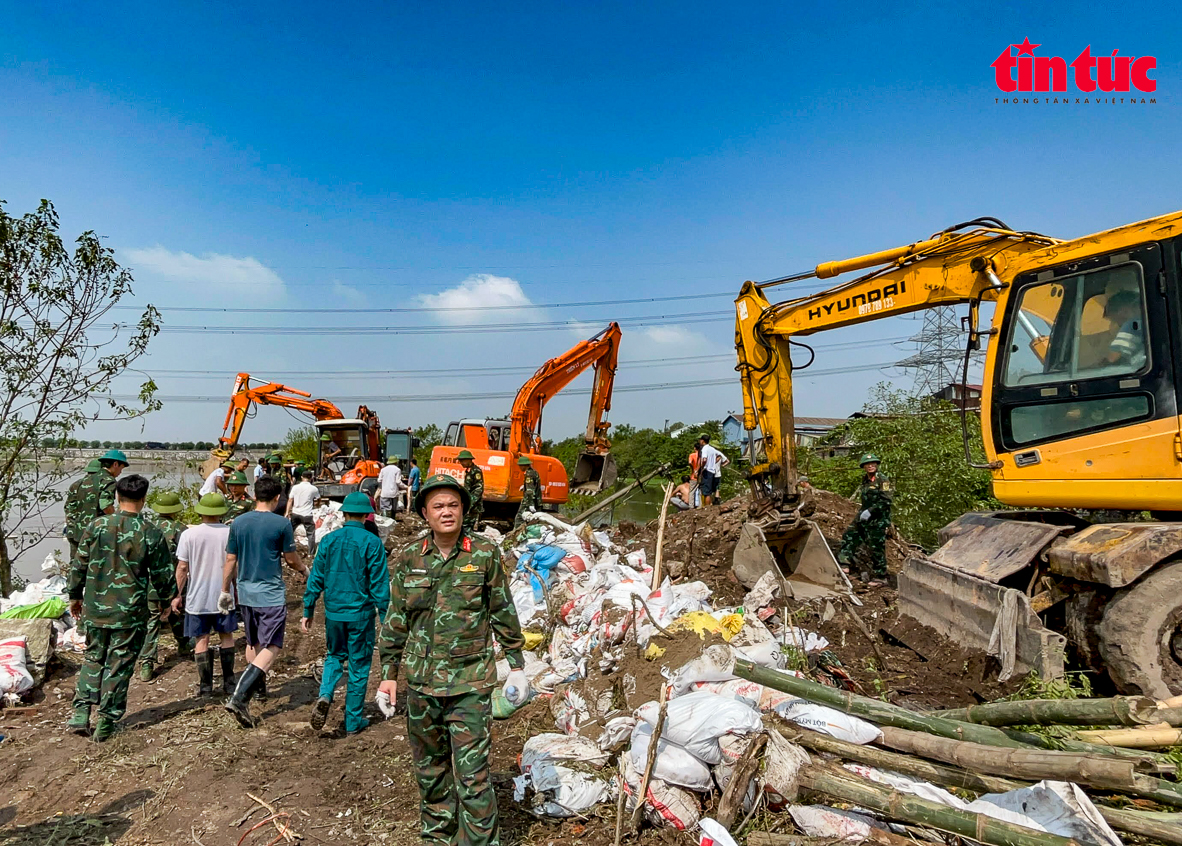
(215, 482)
(711, 469)
(201, 557)
(390, 482)
(300, 503)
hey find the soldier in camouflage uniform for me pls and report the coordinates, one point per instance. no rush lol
(531, 491)
(164, 517)
(121, 557)
(449, 597)
(83, 499)
(238, 501)
(870, 527)
(474, 485)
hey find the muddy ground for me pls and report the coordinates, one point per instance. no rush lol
(182, 770)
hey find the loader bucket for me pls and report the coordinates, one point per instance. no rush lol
(798, 552)
(594, 472)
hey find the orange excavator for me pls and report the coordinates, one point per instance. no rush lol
(497, 444)
(349, 455)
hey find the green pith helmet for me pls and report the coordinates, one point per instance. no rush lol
(441, 480)
(167, 503)
(523, 461)
(237, 478)
(274, 459)
(212, 505)
(326, 437)
(93, 466)
(357, 503)
(115, 455)
(869, 458)
(465, 454)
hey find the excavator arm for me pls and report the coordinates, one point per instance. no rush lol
(271, 393)
(601, 352)
(951, 268)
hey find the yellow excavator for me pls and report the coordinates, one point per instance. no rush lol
(1079, 412)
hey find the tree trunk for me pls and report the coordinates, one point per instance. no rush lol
(847, 787)
(5, 566)
(1030, 764)
(1117, 711)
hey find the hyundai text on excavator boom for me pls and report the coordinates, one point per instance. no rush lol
(352, 465)
(1079, 410)
(497, 444)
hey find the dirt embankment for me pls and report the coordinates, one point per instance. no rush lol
(182, 769)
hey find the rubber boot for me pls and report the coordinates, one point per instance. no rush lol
(260, 690)
(239, 703)
(147, 671)
(80, 721)
(204, 661)
(228, 677)
(104, 730)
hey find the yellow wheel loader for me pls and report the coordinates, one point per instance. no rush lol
(1079, 411)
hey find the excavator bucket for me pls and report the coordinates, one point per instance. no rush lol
(798, 552)
(594, 472)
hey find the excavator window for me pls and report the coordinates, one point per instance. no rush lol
(453, 435)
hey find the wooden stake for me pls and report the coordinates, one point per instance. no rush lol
(620, 803)
(731, 802)
(861, 624)
(642, 794)
(661, 536)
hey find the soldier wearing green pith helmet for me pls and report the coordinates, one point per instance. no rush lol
(121, 556)
(449, 598)
(531, 491)
(86, 497)
(238, 502)
(873, 522)
(474, 485)
(165, 514)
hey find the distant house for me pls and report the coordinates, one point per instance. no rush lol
(961, 395)
(809, 431)
(732, 430)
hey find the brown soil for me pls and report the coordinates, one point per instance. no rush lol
(181, 770)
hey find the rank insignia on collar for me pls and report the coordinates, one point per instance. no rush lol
(467, 544)
(469, 568)
(426, 545)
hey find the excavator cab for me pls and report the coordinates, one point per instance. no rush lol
(344, 462)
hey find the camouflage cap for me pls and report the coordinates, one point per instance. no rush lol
(441, 480)
(167, 503)
(465, 454)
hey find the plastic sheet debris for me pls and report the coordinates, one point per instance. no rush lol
(832, 824)
(53, 587)
(713, 834)
(561, 790)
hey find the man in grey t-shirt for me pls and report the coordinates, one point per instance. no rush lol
(260, 542)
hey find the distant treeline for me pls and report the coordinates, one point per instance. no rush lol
(179, 446)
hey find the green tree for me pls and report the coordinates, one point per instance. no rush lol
(430, 436)
(60, 358)
(300, 445)
(921, 445)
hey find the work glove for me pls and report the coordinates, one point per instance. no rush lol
(516, 688)
(385, 704)
(225, 602)
(864, 516)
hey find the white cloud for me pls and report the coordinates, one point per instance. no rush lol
(672, 335)
(347, 294)
(479, 291)
(245, 276)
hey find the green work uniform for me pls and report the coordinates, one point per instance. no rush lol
(875, 496)
(444, 613)
(171, 529)
(350, 570)
(84, 503)
(121, 558)
(531, 495)
(474, 485)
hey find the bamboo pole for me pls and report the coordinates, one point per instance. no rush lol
(661, 536)
(1096, 771)
(848, 787)
(618, 495)
(1031, 764)
(876, 837)
(1147, 761)
(1159, 827)
(642, 794)
(1149, 737)
(736, 789)
(1172, 702)
(1116, 711)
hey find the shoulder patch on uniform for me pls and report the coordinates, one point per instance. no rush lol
(467, 546)
(469, 568)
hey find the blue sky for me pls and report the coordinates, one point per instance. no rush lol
(399, 156)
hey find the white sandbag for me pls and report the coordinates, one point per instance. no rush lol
(561, 791)
(523, 601)
(1056, 807)
(561, 747)
(673, 764)
(664, 804)
(384, 525)
(755, 643)
(756, 695)
(696, 721)
(14, 676)
(637, 560)
(713, 834)
(715, 664)
(782, 761)
(733, 748)
(832, 824)
(829, 721)
(71, 640)
(617, 731)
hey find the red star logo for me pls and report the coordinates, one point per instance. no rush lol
(1026, 47)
